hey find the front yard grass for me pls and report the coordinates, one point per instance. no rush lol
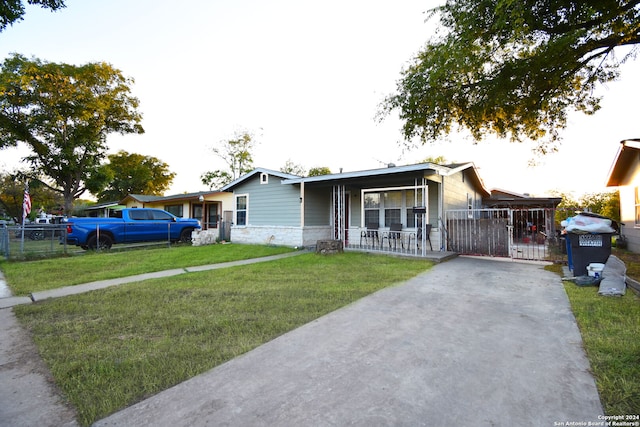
(34, 276)
(108, 349)
(610, 329)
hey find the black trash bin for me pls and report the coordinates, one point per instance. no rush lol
(587, 248)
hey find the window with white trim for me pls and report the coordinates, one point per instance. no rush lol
(264, 178)
(390, 206)
(372, 209)
(242, 206)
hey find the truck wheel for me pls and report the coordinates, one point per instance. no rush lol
(104, 243)
(37, 235)
(185, 235)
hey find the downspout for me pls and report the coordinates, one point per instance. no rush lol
(302, 205)
(302, 237)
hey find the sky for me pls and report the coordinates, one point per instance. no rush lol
(305, 79)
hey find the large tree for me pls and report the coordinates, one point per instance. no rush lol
(130, 173)
(13, 10)
(513, 68)
(236, 153)
(12, 186)
(64, 113)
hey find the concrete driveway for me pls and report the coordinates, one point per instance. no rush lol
(470, 343)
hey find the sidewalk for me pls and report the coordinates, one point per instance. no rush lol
(101, 284)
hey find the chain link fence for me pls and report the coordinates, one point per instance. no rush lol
(32, 240)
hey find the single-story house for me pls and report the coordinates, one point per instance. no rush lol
(278, 208)
(210, 207)
(625, 174)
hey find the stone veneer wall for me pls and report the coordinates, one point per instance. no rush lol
(279, 235)
(204, 237)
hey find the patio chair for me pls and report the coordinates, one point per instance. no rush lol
(394, 234)
(371, 233)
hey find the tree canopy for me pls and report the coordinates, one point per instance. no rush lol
(130, 173)
(236, 153)
(293, 168)
(13, 10)
(64, 113)
(319, 171)
(513, 68)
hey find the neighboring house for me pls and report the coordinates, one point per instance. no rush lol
(210, 207)
(278, 208)
(625, 174)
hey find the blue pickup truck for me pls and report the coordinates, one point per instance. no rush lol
(129, 226)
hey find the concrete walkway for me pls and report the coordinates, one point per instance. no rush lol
(470, 343)
(473, 342)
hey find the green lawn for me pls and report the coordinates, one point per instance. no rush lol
(111, 348)
(33, 276)
(108, 349)
(610, 329)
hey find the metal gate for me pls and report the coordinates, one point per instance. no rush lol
(515, 233)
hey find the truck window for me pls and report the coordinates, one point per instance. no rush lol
(161, 216)
(138, 214)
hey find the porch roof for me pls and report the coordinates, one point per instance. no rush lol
(143, 198)
(391, 174)
(504, 198)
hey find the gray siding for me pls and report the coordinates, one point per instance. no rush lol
(628, 206)
(317, 207)
(354, 208)
(456, 189)
(434, 196)
(271, 203)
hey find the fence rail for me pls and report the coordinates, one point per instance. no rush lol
(32, 240)
(408, 242)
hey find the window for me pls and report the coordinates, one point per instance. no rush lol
(138, 214)
(242, 202)
(160, 216)
(264, 178)
(174, 209)
(637, 224)
(372, 209)
(392, 207)
(470, 205)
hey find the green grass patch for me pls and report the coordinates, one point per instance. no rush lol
(33, 276)
(610, 329)
(111, 348)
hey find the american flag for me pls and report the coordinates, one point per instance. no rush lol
(26, 205)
